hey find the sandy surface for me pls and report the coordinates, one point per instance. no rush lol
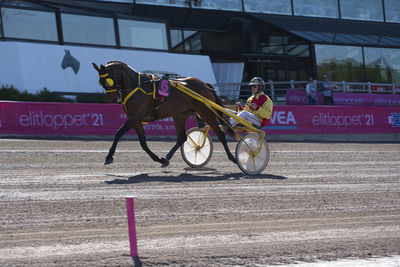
(60, 206)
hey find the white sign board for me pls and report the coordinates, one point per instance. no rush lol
(63, 68)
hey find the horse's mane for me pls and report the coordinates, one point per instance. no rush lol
(191, 80)
(114, 62)
(124, 65)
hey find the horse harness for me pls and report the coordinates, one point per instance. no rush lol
(162, 84)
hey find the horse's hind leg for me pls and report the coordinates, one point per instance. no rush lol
(221, 136)
(200, 122)
(181, 137)
(209, 117)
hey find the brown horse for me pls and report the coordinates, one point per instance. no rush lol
(136, 91)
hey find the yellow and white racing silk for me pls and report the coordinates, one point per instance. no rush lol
(261, 106)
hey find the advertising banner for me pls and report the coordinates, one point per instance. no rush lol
(334, 120)
(299, 97)
(31, 118)
(26, 118)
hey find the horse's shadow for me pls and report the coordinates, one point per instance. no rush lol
(190, 175)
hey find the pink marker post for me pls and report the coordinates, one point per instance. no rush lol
(130, 211)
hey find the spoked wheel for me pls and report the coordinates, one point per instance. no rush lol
(198, 148)
(252, 154)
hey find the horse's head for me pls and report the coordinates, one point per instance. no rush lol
(117, 79)
(70, 61)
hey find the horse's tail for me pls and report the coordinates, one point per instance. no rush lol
(223, 118)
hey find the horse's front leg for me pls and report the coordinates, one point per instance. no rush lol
(126, 127)
(142, 139)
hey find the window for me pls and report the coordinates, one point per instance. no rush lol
(340, 63)
(88, 30)
(184, 40)
(120, 1)
(200, 42)
(316, 8)
(29, 24)
(143, 34)
(177, 3)
(176, 39)
(1, 27)
(232, 5)
(381, 64)
(273, 45)
(276, 44)
(268, 6)
(362, 10)
(392, 10)
(298, 50)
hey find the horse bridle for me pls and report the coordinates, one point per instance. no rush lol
(111, 83)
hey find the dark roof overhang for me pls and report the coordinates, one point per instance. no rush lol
(336, 31)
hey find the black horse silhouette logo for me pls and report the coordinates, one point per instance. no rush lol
(70, 61)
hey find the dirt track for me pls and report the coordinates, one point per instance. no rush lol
(60, 206)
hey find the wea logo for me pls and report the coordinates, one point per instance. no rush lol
(394, 119)
(283, 118)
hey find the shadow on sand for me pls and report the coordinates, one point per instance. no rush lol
(190, 175)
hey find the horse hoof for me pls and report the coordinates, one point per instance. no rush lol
(108, 161)
(164, 162)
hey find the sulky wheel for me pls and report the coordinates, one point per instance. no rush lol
(252, 154)
(198, 148)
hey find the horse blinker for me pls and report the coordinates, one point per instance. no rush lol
(110, 82)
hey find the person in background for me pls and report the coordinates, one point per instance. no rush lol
(326, 89)
(258, 108)
(311, 91)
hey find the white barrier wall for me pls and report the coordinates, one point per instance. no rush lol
(32, 67)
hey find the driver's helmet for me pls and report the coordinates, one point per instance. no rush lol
(257, 81)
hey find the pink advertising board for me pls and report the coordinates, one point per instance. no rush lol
(334, 120)
(71, 119)
(298, 97)
(30, 118)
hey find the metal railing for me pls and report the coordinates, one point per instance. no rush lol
(277, 90)
(233, 92)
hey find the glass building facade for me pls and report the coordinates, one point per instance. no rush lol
(316, 8)
(29, 24)
(340, 63)
(88, 29)
(392, 10)
(143, 34)
(268, 6)
(362, 10)
(349, 40)
(352, 63)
